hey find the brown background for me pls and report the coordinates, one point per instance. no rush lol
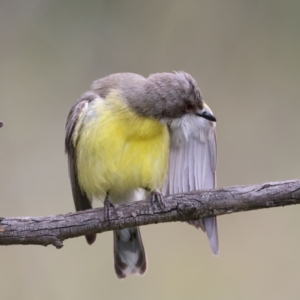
(244, 55)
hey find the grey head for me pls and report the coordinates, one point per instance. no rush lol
(164, 95)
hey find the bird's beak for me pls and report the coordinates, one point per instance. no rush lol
(206, 115)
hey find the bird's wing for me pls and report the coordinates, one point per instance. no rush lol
(192, 166)
(73, 127)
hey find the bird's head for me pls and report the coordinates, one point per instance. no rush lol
(171, 96)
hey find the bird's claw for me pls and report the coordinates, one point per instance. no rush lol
(157, 199)
(107, 206)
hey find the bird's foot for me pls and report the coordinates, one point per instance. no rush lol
(107, 205)
(156, 199)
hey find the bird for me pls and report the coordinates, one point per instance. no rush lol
(119, 136)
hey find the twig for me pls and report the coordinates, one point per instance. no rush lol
(181, 207)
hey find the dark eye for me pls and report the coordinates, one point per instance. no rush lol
(189, 107)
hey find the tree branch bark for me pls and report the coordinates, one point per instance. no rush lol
(181, 207)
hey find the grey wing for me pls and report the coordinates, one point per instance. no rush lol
(192, 166)
(80, 199)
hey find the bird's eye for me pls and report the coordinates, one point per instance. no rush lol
(189, 107)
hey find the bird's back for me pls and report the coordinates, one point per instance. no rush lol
(119, 81)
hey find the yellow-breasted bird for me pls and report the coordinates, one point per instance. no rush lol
(118, 139)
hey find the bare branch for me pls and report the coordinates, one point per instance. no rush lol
(181, 207)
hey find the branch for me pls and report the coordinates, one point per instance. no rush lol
(181, 207)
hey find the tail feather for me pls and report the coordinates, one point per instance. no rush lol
(129, 253)
(209, 225)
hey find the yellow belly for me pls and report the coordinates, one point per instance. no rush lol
(118, 151)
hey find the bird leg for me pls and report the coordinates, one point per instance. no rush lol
(107, 205)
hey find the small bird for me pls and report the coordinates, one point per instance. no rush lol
(118, 144)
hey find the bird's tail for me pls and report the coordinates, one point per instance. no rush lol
(209, 225)
(129, 253)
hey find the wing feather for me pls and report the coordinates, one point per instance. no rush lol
(185, 173)
(192, 166)
(81, 201)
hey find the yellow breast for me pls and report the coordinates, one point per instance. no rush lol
(118, 150)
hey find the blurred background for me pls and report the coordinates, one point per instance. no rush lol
(245, 55)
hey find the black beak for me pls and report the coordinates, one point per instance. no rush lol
(208, 116)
